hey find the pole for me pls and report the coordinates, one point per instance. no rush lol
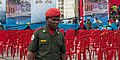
(75, 16)
(79, 9)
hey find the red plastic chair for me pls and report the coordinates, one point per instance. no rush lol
(85, 34)
(70, 43)
(2, 46)
(101, 42)
(117, 38)
(12, 43)
(3, 41)
(24, 41)
(82, 44)
(110, 53)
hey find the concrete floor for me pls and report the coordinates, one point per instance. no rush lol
(17, 57)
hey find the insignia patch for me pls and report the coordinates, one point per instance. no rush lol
(32, 38)
(58, 32)
(43, 41)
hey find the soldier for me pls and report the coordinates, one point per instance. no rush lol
(48, 42)
(1, 27)
(88, 24)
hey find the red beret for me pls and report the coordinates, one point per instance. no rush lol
(52, 12)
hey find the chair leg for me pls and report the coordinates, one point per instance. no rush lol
(79, 56)
(11, 50)
(1, 51)
(84, 56)
(21, 53)
(100, 55)
(7, 51)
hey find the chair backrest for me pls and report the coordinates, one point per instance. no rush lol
(70, 32)
(4, 36)
(110, 53)
(25, 39)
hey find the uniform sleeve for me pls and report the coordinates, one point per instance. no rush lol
(33, 45)
(63, 48)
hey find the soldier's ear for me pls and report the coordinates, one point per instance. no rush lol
(47, 18)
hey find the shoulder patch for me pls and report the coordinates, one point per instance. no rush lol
(32, 38)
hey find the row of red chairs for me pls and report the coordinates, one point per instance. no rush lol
(103, 44)
(15, 41)
(89, 43)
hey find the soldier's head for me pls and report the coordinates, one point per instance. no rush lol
(1, 27)
(53, 18)
(88, 19)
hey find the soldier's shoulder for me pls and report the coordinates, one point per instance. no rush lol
(37, 29)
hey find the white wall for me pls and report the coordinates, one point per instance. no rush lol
(3, 5)
(38, 10)
(69, 7)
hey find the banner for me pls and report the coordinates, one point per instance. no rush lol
(2, 11)
(18, 12)
(38, 9)
(96, 9)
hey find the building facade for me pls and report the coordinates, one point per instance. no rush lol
(61, 7)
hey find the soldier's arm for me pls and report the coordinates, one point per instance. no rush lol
(63, 50)
(32, 48)
(31, 55)
(63, 56)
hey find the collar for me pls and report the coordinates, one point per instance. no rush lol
(45, 30)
